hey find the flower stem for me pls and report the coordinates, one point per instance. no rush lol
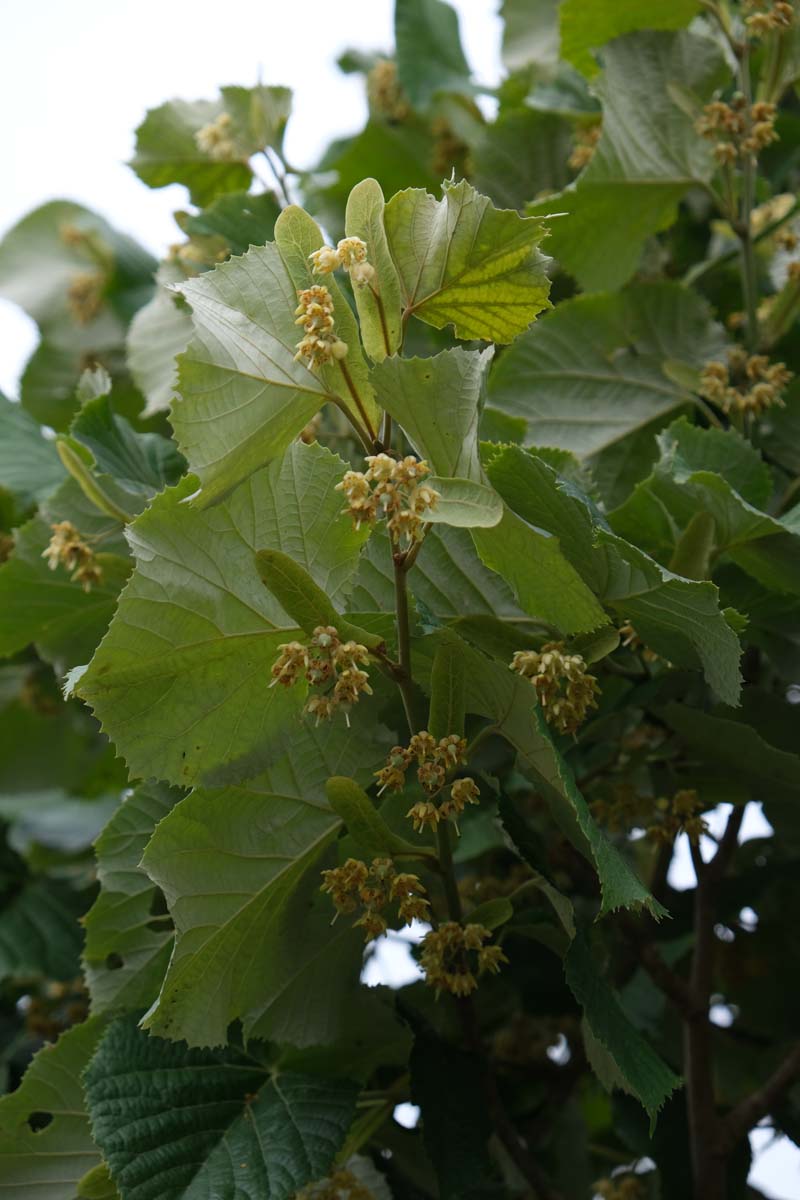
(403, 676)
(353, 390)
(744, 229)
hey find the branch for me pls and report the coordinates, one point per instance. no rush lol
(708, 1162)
(671, 984)
(760, 1103)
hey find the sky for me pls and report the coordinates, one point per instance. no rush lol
(77, 79)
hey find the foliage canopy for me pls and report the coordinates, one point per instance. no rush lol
(406, 553)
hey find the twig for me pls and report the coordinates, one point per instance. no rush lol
(740, 1120)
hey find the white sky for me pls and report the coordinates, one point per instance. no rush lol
(76, 80)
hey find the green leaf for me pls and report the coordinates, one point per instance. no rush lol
(448, 578)
(530, 34)
(42, 254)
(297, 235)
(47, 1163)
(592, 372)
(97, 1184)
(128, 937)
(510, 703)
(464, 504)
(379, 316)
(648, 157)
(492, 913)
(241, 219)
(586, 26)
(463, 262)
(735, 747)
(546, 584)
(39, 934)
(181, 681)
(429, 54)
(187, 1124)
(694, 475)
(167, 151)
(141, 463)
(645, 1074)
(363, 821)
(521, 155)
(29, 466)
(305, 602)
(243, 396)
(438, 402)
(447, 1083)
(47, 608)
(159, 331)
(447, 690)
(240, 872)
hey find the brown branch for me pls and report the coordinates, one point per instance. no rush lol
(708, 1163)
(670, 983)
(746, 1115)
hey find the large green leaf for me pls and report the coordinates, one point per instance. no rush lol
(649, 154)
(586, 26)
(240, 872)
(167, 149)
(448, 578)
(697, 473)
(47, 1163)
(380, 317)
(510, 703)
(128, 936)
(429, 54)
(29, 466)
(463, 262)
(242, 395)
(639, 1068)
(297, 235)
(178, 1124)
(437, 401)
(181, 681)
(597, 369)
(680, 618)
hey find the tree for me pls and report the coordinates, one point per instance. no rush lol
(381, 570)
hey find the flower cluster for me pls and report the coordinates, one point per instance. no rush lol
(85, 295)
(681, 814)
(630, 639)
(340, 1185)
(355, 885)
(566, 692)
(435, 760)
(67, 548)
(384, 92)
(350, 254)
(216, 140)
(747, 384)
(777, 17)
(314, 312)
(586, 139)
(330, 666)
(738, 130)
(619, 1187)
(394, 489)
(452, 954)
